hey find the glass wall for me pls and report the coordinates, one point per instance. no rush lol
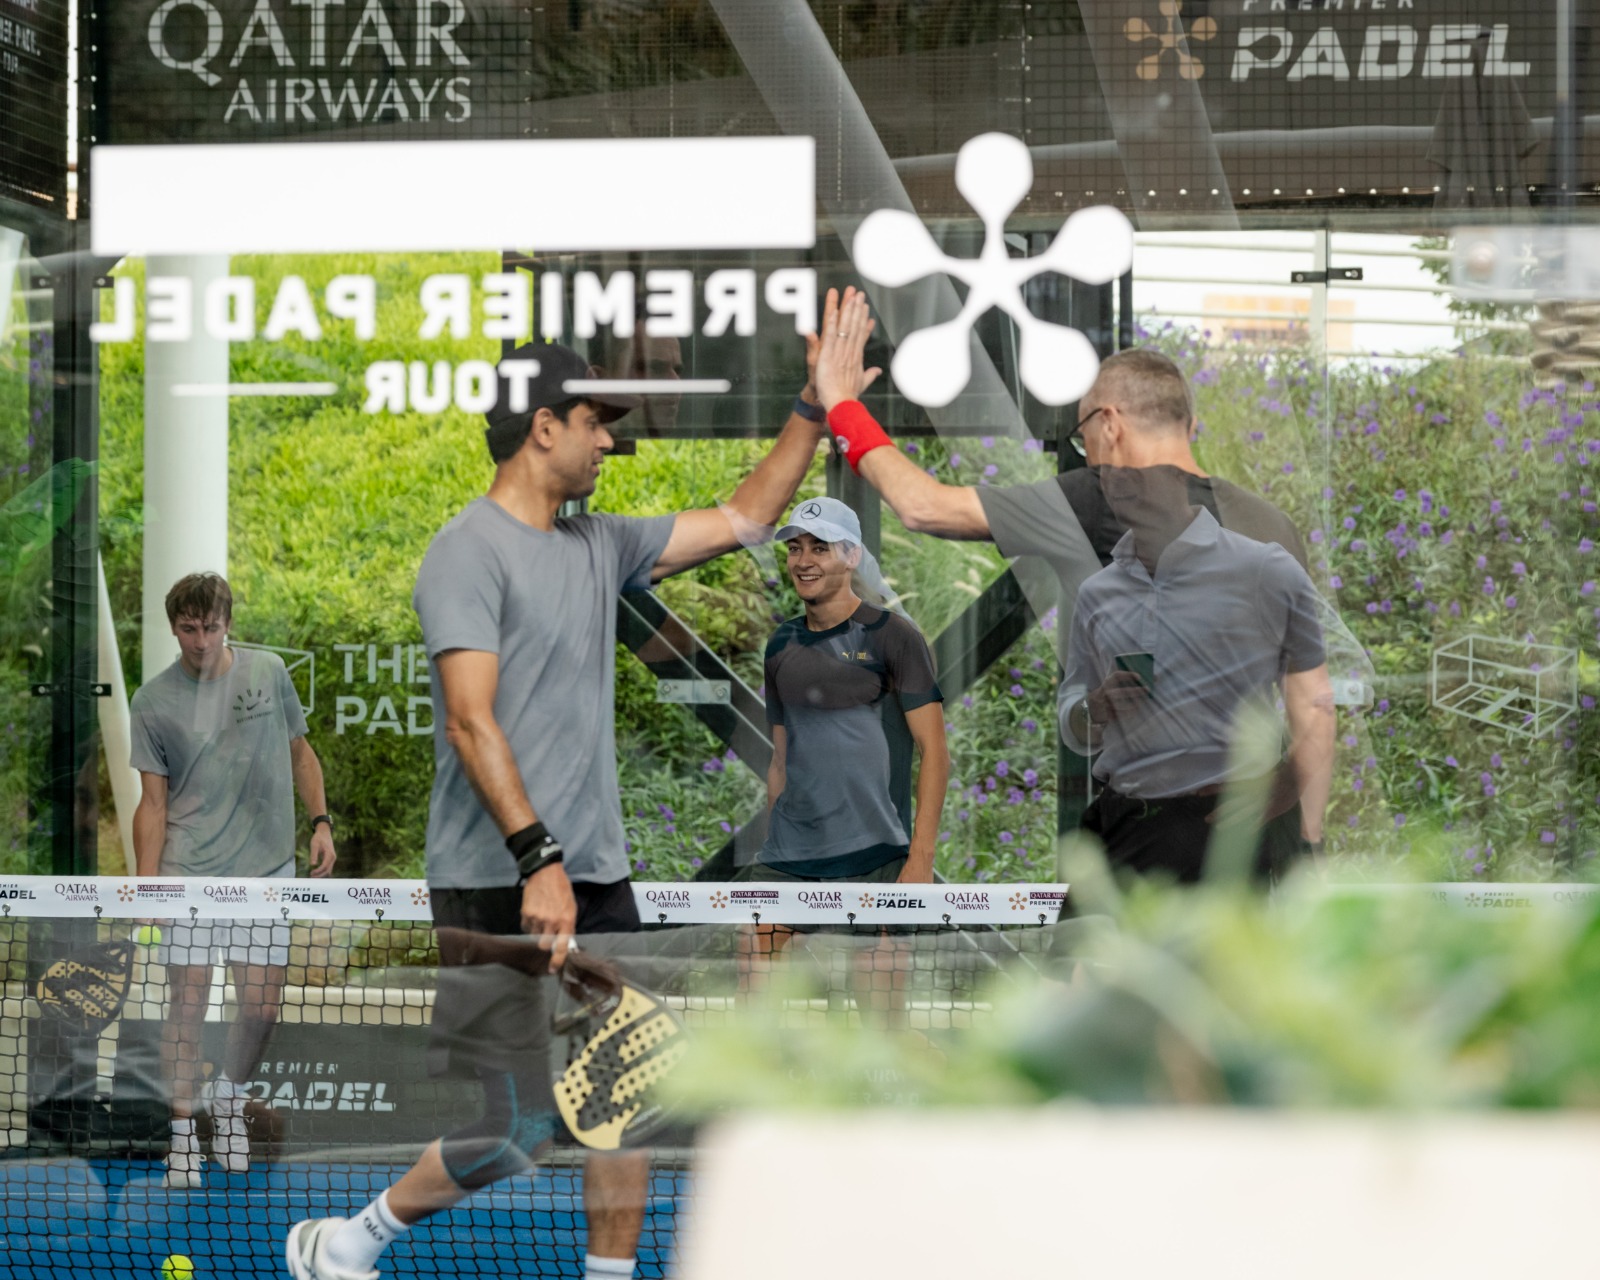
(1439, 480)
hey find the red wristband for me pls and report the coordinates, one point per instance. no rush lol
(856, 432)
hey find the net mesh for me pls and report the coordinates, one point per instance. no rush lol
(324, 1025)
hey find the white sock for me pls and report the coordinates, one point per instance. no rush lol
(225, 1095)
(356, 1245)
(183, 1133)
(598, 1268)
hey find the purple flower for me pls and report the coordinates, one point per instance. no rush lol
(955, 459)
(1585, 546)
(1519, 569)
(991, 470)
(1029, 778)
(1547, 837)
(696, 863)
(1014, 796)
(1030, 726)
(1006, 837)
(1494, 761)
(1336, 582)
(1399, 820)
(1488, 586)
(987, 442)
(1349, 522)
(989, 784)
(1399, 495)
(1015, 691)
(1452, 762)
(1002, 768)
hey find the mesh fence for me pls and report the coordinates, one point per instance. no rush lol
(127, 1003)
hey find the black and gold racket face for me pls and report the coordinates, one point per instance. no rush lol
(604, 1095)
(86, 990)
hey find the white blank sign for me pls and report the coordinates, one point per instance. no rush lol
(552, 195)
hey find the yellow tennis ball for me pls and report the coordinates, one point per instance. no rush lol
(150, 936)
(177, 1267)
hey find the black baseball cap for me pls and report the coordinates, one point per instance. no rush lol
(558, 366)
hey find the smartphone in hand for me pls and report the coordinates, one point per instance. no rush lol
(1142, 665)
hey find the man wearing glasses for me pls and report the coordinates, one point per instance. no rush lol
(1138, 413)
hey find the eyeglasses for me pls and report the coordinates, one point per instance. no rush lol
(1075, 436)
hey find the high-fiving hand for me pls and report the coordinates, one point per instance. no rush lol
(840, 372)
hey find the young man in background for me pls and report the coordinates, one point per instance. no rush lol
(219, 740)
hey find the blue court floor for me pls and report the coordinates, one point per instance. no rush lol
(111, 1219)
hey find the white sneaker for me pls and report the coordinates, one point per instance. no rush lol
(230, 1139)
(304, 1249)
(183, 1162)
(183, 1170)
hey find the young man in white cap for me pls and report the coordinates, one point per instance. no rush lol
(518, 612)
(850, 690)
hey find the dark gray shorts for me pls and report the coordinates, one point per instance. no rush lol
(489, 1017)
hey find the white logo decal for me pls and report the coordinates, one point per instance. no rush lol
(994, 173)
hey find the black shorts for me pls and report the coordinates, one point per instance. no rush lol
(602, 908)
(489, 1017)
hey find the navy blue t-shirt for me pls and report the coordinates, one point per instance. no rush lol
(845, 809)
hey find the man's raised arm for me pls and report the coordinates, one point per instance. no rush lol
(922, 504)
(764, 495)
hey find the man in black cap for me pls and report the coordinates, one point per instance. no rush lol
(518, 612)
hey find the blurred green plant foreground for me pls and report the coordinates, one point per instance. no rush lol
(1319, 997)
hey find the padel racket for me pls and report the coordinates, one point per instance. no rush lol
(622, 1039)
(623, 1042)
(87, 989)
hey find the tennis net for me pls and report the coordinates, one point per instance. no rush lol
(335, 983)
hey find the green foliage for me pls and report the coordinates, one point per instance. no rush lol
(1325, 997)
(1441, 500)
(1401, 477)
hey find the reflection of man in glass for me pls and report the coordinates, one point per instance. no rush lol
(518, 608)
(219, 740)
(1178, 652)
(659, 360)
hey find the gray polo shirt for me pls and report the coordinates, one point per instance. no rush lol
(546, 603)
(1225, 618)
(223, 747)
(1067, 522)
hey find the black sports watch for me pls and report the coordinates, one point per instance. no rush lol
(323, 817)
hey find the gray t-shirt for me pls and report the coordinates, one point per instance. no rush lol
(223, 747)
(841, 696)
(546, 603)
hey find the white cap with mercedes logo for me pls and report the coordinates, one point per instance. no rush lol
(825, 519)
